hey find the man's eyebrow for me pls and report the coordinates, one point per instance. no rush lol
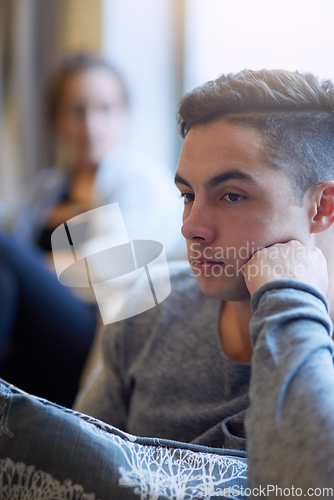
(227, 176)
(219, 179)
(179, 180)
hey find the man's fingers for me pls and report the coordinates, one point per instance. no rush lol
(290, 260)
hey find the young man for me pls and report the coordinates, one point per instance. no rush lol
(255, 170)
(254, 173)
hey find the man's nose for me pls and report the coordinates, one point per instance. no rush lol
(199, 225)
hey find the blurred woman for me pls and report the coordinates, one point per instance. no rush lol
(88, 111)
(54, 329)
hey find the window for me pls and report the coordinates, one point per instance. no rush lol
(224, 36)
(167, 47)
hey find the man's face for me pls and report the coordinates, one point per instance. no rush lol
(234, 204)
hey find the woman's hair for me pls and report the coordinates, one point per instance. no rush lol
(294, 112)
(70, 64)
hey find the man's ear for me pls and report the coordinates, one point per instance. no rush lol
(322, 207)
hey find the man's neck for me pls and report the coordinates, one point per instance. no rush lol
(325, 241)
(234, 330)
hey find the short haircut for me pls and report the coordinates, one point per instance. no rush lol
(70, 64)
(293, 111)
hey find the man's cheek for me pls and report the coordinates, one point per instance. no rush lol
(242, 253)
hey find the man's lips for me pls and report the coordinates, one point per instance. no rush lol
(203, 260)
(205, 265)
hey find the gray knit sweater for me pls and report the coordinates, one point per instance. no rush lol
(290, 423)
(165, 375)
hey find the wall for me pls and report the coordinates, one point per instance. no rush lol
(81, 25)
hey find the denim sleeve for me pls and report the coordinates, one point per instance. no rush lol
(290, 422)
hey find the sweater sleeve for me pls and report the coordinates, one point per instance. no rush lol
(290, 422)
(104, 396)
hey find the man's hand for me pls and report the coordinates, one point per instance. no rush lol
(290, 260)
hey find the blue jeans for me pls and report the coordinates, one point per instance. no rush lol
(45, 330)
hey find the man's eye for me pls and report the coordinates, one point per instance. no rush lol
(188, 197)
(232, 197)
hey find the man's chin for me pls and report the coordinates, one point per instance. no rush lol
(232, 291)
